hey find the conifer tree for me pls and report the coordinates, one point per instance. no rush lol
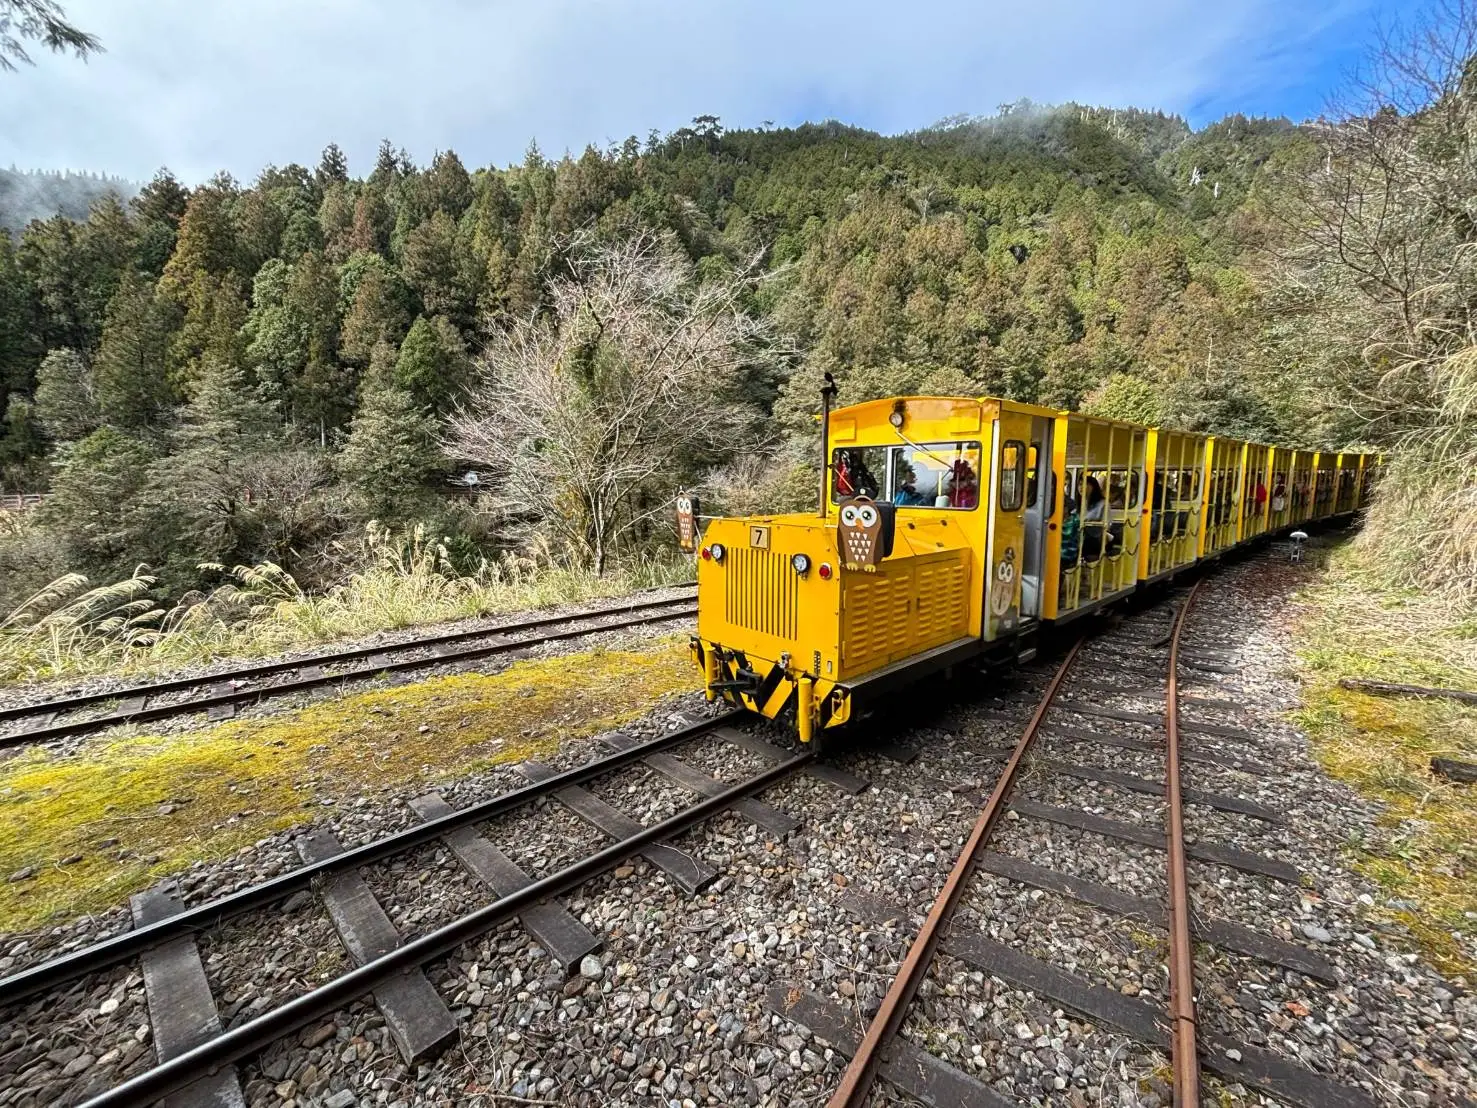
(93, 497)
(50, 257)
(336, 222)
(447, 185)
(40, 21)
(199, 485)
(389, 453)
(333, 167)
(158, 208)
(66, 399)
(376, 314)
(214, 311)
(20, 433)
(18, 347)
(207, 236)
(439, 267)
(433, 364)
(133, 391)
(372, 223)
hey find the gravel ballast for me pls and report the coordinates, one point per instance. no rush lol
(672, 1010)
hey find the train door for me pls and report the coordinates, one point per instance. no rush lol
(1039, 496)
(1005, 547)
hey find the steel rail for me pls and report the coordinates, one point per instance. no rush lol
(1183, 1050)
(257, 1034)
(201, 703)
(264, 669)
(128, 944)
(856, 1082)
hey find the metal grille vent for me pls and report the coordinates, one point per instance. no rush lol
(763, 592)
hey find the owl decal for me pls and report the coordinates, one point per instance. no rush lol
(688, 531)
(864, 533)
(1002, 592)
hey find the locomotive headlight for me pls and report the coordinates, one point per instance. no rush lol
(718, 551)
(896, 418)
(801, 564)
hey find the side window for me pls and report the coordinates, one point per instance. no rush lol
(1033, 474)
(858, 471)
(1012, 475)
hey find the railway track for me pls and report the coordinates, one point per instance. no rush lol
(403, 974)
(196, 1056)
(221, 695)
(1174, 1028)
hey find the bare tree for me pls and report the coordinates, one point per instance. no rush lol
(1374, 284)
(588, 415)
(40, 21)
(1377, 263)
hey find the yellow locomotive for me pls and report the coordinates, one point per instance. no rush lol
(952, 529)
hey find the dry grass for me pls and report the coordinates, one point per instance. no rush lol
(163, 802)
(1354, 624)
(71, 627)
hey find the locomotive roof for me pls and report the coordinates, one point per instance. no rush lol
(884, 405)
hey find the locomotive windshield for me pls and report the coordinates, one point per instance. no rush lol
(928, 475)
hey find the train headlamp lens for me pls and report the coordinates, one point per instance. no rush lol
(801, 562)
(896, 419)
(718, 551)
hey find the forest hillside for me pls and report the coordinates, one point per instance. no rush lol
(527, 361)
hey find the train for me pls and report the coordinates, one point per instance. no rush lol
(956, 531)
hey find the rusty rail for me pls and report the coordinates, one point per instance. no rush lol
(857, 1081)
(1183, 1051)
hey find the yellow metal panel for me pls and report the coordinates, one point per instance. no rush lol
(885, 618)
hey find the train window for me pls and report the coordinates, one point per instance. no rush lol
(1033, 470)
(1012, 475)
(933, 475)
(859, 471)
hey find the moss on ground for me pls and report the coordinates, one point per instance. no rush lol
(127, 811)
(1352, 626)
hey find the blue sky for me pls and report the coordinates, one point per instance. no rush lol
(203, 85)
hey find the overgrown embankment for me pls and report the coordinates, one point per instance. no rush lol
(72, 627)
(1354, 623)
(87, 830)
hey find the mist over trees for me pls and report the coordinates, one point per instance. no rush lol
(238, 372)
(29, 195)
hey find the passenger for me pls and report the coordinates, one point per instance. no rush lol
(1071, 533)
(1092, 521)
(1156, 519)
(853, 478)
(907, 493)
(1279, 496)
(965, 485)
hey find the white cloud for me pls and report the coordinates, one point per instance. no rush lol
(202, 85)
